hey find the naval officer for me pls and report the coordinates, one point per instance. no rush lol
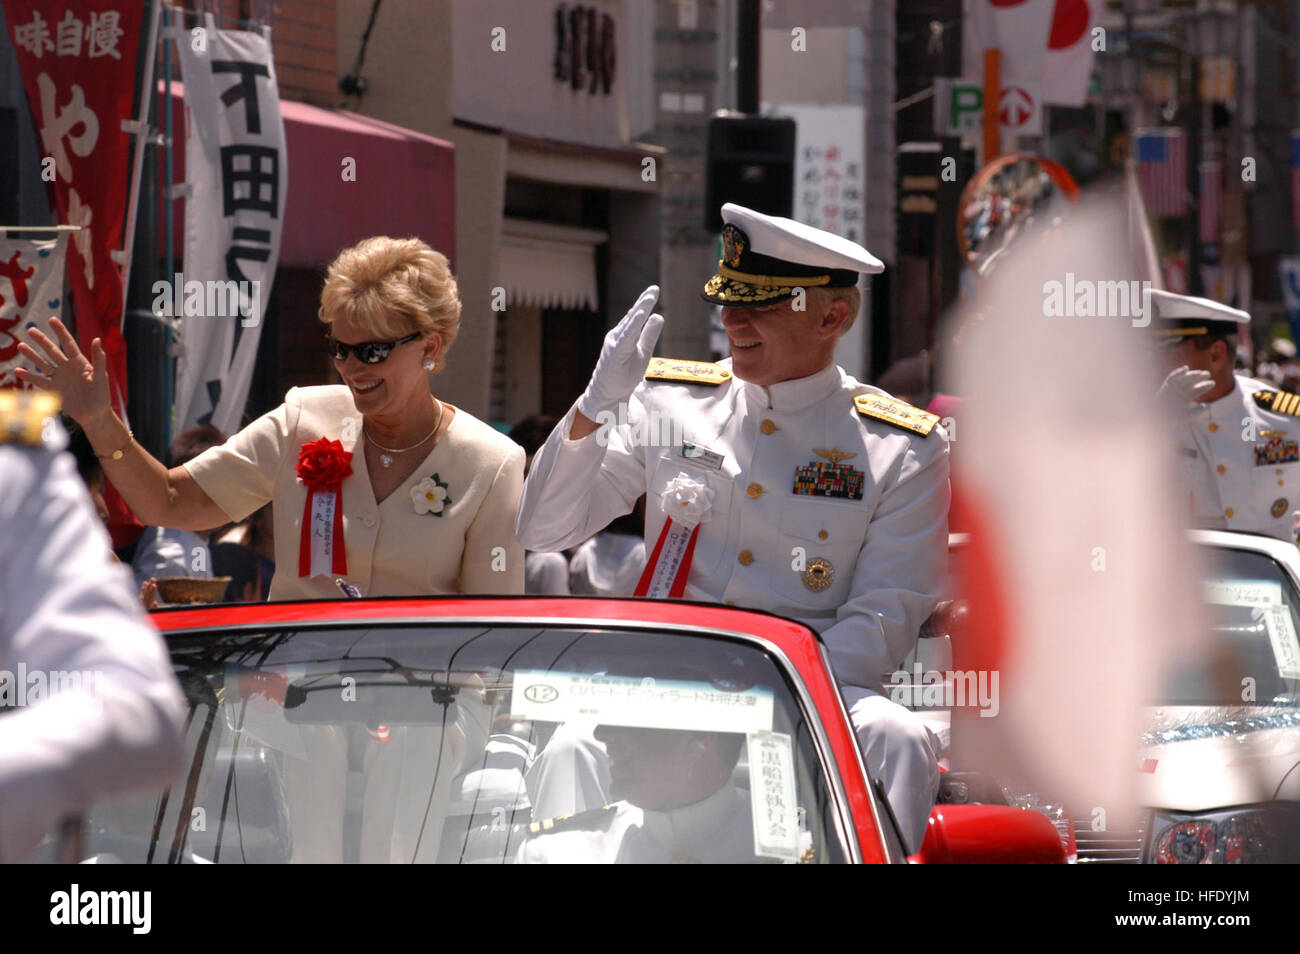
(98, 712)
(1237, 439)
(774, 480)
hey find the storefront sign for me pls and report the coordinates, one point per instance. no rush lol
(584, 48)
(78, 63)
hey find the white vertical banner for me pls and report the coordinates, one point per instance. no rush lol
(31, 292)
(236, 167)
(830, 190)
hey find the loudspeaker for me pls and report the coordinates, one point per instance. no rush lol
(751, 163)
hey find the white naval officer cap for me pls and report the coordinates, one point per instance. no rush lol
(766, 257)
(1180, 317)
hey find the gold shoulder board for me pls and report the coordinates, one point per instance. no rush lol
(594, 818)
(896, 412)
(23, 415)
(1279, 402)
(691, 372)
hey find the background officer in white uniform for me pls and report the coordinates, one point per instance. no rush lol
(1237, 439)
(828, 499)
(69, 614)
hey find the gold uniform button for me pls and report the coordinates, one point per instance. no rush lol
(1279, 471)
(731, 602)
(1228, 513)
(1221, 469)
(822, 534)
(1280, 484)
(1213, 427)
(755, 491)
(745, 557)
(767, 427)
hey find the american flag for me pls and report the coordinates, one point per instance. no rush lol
(1295, 178)
(1211, 188)
(1162, 170)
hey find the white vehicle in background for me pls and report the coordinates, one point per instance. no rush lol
(1219, 766)
(1219, 761)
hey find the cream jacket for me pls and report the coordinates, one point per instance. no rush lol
(391, 549)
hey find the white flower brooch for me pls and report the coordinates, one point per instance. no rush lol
(430, 496)
(687, 501)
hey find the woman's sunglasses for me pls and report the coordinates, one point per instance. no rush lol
(368, 352)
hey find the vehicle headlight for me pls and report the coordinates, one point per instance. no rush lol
(1234, 837)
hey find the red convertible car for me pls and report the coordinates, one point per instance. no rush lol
(492, 730)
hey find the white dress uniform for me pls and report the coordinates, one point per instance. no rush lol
(864, 573)
(165, 552)
(609, 564)
(68, 615)
(546, 574)
(1240, 461)
(1238, 456)
(717, 830)
(829, 498)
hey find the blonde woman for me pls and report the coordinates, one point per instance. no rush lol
(376, 481)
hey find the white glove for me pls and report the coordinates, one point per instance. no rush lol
(1182, 387)
(626, 354)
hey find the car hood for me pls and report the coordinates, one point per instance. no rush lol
(1196, 758)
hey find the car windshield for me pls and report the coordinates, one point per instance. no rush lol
(441, 743)
(1255, 657)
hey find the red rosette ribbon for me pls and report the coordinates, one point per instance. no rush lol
(322, 467)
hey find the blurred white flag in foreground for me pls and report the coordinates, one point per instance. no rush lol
(1082, 584)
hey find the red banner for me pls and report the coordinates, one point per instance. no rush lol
(78, 62)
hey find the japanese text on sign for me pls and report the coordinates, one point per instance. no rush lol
(632, 701)
(100, 34)
(830, 168)
(771, 789)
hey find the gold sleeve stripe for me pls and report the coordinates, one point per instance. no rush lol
(1279, 402)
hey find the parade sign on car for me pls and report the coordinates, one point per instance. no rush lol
(629, 700)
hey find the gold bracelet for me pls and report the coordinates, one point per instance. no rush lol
(117, 454)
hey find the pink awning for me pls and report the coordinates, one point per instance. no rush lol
(404, 186)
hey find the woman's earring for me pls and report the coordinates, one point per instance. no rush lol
(428, 364)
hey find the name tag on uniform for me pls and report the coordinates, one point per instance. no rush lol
(702, 455)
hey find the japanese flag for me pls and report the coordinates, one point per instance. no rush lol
(1067, 67)
(1082, 586)
(1019, 28)
(1046, 44)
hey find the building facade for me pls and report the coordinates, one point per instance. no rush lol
(556, 197)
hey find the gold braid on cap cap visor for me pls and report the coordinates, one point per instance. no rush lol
(730, 285)
(1181, 332)
(770, 281)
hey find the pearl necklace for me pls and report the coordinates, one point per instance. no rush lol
(386, 457)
